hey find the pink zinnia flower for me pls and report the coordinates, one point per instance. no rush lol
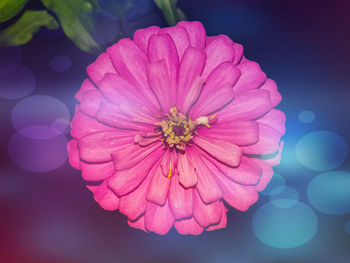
(174, 126)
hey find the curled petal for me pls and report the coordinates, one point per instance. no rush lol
(100, 67)
(106, 198)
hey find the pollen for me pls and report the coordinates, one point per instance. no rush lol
(178, 129)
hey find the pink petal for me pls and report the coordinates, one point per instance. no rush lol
(196, 33)
(188, 227)
(238, 53)
(186, 170)
(275, 119)
(223, 151)
(142, 36)
(159, 81)
(158, 219)
(86, 86)
(131, 63)
(111, 115)
(162, 47)
(133, 205)
(98, 147)
(180, 199)
(211, 103)
(247, 105)
(139, 223)
(73, 153)
(224, 75)
(192, 94)
(159, 187)
(206, 215)
(83, 125)
(97, 171)
(277, 159)
(179, 36)
(266, 176)
(118, 89)
(238, 196)
(271, 87)
(219, 50)
(239, 132)
(106, 198)
(223, 221)
(269, 139)
(91, 102)
(100, 67)
(251, 78)
(137, 113)
(134, 154)
(207, 187)
(191, 66)
(247, 173)
(123, 182)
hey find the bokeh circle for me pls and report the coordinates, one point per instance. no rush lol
(307, 116)
(329, 192)
(60, 63)
(321, 150)
(284, 196)
(285, 227)
(275, 185)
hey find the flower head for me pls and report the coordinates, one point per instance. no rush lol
(174, 126)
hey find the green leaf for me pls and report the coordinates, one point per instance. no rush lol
(25, 27)
(10, 8)
(171, 13)
(69, 14)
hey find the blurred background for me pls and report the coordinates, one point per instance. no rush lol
(48, 215)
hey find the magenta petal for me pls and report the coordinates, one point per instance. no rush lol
(133, 205)
(90, 102)
(207, 187)
(247, 105)
(179, 36)
(137, 113)
(83, 125)
(73, 153)
(158, 219)
(134, 153)
(223, 221)
(106, 198)
(97, 171)
(118, 89)
(111, 115)
(159, 81)
(192, 94)
(196, 33)
(218, 51)
(159, 187)
(98, 147)
(191, 66)
(131, 63)
(142, 36)
(266, 176)
(269, 139)
(275, 119)
(206, 215)
(123, 182)
(180, 199)
(238, 53)
(186, 170)
(188, 227)
(139, 223)
(213, 102)
(251, 78)
(238, 196)
(162, 47)
(271, 87)
(223, 151)
(86, 86)
(100, 67)
(239, 132)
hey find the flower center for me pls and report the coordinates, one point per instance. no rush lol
(178, 129)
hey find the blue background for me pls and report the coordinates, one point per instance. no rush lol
(304, 46)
